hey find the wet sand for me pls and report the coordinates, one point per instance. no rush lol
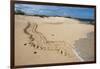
(49, 40)
(85, 47)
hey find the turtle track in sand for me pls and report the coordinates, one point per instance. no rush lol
(39, 42)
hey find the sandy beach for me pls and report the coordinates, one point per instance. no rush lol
(47, 40)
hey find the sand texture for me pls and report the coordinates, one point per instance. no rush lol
(47, 40)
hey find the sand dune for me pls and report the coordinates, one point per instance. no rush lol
(49, 40)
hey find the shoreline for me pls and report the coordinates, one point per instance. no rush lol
(85, 47)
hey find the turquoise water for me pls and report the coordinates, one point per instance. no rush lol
(75, 12)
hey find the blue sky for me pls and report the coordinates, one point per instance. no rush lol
(76, 12)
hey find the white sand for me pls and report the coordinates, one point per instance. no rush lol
(55, 29)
